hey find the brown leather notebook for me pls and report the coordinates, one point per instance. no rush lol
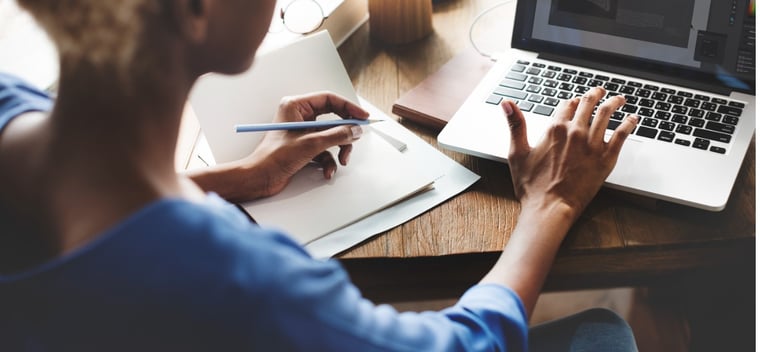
(434, 101)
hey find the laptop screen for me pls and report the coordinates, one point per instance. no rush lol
(708, 41)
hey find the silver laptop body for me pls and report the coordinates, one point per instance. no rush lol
(686, 68)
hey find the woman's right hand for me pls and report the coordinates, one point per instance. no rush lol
(569, 165)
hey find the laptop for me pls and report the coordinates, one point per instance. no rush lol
(686, 67)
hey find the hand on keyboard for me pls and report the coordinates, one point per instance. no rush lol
(569, 165)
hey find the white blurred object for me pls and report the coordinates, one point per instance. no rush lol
(25, 49)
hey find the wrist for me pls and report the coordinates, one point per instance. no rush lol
(547, 209)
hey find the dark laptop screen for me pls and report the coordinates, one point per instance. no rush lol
(709, 41)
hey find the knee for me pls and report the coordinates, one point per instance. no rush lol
(603, 315)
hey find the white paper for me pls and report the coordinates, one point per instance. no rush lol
(455, 179)
(378, 175)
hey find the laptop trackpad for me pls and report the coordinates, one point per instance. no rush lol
(625, 170)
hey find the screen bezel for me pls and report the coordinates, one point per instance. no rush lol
(522, 39)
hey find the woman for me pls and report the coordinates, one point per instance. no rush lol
(105, 247)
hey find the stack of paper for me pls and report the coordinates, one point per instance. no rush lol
(370, 195)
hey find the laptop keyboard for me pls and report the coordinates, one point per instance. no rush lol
(667, 115)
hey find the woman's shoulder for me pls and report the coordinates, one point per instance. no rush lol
(18, 97)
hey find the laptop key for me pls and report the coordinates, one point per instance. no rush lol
(659, 96)
(518, 68)
(564, 77)
(566, 86)
(551, 101)
(692, 103)
(666, 136)
(667, 126)
(645, 112)
(646, 132)
(668, 91)
(708, 106)
(494, 99)
(685, 94)
(535, 98)
(649, 122)
(613, 124)
(714, 116)
(509, 83)
(736, 104)
(674, 99)
(696, 122)
(551, 84)
(549, 92)
(720, 127)
(533, 89)
(533, 71)
(629, 108)
(683, 142)
(733, 120)
(719, 150)
(525, 106)
(730, 110)
(719, 101)
(611, 87)
(581, 89)
(580, 80)
(517, 76)
(700, 143)
(662, 115)
(701, 97)
(679, 109)
(679, 119)
(712, 135)
(543, 110)
(651, 87)
(627, 90)
(684, 129)
(647, 103)
(535, 80)
(635, 84)
(510, 93)
(618, 81)
(565, 95)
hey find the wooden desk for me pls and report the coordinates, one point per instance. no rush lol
(619, 241)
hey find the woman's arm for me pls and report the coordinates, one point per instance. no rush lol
(554, 181)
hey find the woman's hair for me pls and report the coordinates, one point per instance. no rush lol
(98, 32)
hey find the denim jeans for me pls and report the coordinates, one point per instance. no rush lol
(591, 330)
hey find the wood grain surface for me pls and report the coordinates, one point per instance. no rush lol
(620, 239)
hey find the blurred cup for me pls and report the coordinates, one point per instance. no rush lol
(400, 21)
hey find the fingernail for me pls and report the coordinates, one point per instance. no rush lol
(356, 131)
(508, 109)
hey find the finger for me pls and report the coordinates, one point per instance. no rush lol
(345, 153)
(327, 102)
(326, 160)
(566, 111)
(602, 118)
(517, 129)
(318, 141)
(586, 106)
(621, 134)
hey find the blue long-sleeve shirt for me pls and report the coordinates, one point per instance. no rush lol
(183, 276)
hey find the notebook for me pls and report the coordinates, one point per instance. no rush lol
(392, 176)
(686, 67)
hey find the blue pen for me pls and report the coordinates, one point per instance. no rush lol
(260, 127)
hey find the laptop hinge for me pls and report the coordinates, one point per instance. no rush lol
(637, 73)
